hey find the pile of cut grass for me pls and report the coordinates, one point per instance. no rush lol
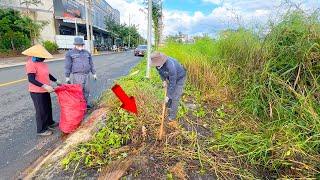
(122, 136)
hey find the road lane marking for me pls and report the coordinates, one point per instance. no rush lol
(21, 80)
(12, 82)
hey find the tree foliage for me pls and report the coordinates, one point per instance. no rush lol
(17, 31)
(112, 26)
(123, 32)
(156, 19)
(175, 38)
(30, 2)
(51, 46)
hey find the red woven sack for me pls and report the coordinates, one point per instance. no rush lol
(72, 106)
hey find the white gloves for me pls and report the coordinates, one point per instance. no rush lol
(166, 99)
(164, 84)
(68, 80)
(58, 83)
(48, 88)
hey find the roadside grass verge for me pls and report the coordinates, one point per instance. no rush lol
(250, 110)
(271, 118)
(125, 136)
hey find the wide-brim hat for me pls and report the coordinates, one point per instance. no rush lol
(78, 41)
(158, 59)
(37, 51)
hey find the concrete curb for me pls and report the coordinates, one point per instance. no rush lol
(82, 134)
(52, 60)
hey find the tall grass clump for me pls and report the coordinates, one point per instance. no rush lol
(238, 47)
(272, 82)
(206, 71)
(250, 109)
(285, 93)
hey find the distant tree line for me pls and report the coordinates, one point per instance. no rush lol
(123, 32)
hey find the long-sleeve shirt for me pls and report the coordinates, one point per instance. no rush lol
(171, 71)
(32, 79)
(41, 74)
(78, 62)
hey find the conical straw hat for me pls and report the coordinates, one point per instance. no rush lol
(37, 51)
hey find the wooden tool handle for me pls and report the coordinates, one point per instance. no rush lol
(163, 114)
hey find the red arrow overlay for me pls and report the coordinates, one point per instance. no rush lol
(128, 103)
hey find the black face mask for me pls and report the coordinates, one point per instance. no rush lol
(41, 59)
(37, 59)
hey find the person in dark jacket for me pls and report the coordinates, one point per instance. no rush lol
(173, 75)
(78, 62)
(39, 88)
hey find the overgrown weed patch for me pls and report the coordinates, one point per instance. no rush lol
(250, 109)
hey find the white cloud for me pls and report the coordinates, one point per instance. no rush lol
(228, 14)
(212, 1)
(135, 9)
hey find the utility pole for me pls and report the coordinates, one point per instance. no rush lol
(149, 37)
(76, 26)
(129, 31)
(91, 27)
(87, 24)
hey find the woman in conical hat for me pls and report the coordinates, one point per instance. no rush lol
(39, 87)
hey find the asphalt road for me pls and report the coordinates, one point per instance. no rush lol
(19, 144)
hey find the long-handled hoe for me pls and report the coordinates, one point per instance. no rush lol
(161, 130)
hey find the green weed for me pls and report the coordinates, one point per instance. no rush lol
(259, 95)
(266, 90)
(200, 112)
(113, 135)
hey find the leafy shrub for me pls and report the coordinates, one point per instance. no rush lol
(16, 40)
(52, 47)
(17, 31)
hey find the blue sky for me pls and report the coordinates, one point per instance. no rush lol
(196, 17)
(189, 6)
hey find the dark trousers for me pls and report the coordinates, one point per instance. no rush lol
(42, 104)
(83, 79)
(173, 107)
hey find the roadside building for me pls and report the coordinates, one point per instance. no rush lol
(67, 18)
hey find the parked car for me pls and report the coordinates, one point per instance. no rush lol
(101, 47)
(140, 50)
